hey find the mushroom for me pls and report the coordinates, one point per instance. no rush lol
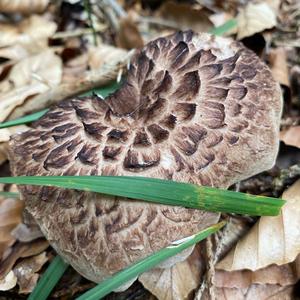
(194, 108)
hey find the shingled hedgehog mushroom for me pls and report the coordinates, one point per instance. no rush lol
(194, 108)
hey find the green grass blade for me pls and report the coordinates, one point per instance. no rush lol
(227, 26)
(9, 195)
(24, 120)
(161, 191)
(49, 279)
(110, 284)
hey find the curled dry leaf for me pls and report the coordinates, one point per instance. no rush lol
(278, 64)
(23, 6)
(26, 272)
(291, 136)
(33, 75)
(254, 18)
(272, 240)
(27, 233)
(22, 250)
(176, 282)
(10, 217)
(32, 31)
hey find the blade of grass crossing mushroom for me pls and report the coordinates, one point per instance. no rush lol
(110, 284)
(161, 191)
(49, 279)
(227, 26)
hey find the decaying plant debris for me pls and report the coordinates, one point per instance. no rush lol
(54, 51)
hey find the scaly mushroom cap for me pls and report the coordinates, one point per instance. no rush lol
(195, 108)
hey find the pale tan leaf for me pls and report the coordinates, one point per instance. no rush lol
(23, 6)
(26, 272)
(291, 136)
(8, 282)
(31, 76)
(98, 56)
(176, 282)
(26, 233)
(284, 275)
(32, 30)
(278, 64)
(272, 240)
(254, 18)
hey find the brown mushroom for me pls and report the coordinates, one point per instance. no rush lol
(195, 108)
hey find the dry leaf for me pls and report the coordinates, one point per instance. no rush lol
(128, 35)
(255, 18)
(176, 282)
(98, 56)
(27, 233)
(31, 76)
(10, 217)
(33, 31)
(26, 272)
(283, 275)
(185, 16)
(278, 64)
(291, 136)
(272, 240)
(23, 6)
(8, 282)
(22, 250)
(257, 292)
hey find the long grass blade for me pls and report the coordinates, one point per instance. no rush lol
(24, 120)
(110, 284)
(227, 26)
(161, 191)
(49, 279)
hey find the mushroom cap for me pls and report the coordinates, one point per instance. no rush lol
(194, 108)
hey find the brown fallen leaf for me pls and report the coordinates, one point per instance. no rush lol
(254, 18)
(10, 217)
(26, 272)
(291, 136)
(128, 35)
(185, 16)
(22, 250)
(278, 64)
(34, 31)
(23, 6)
(272, 240)
(31, 76)
(283, 275)
(176, 282)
